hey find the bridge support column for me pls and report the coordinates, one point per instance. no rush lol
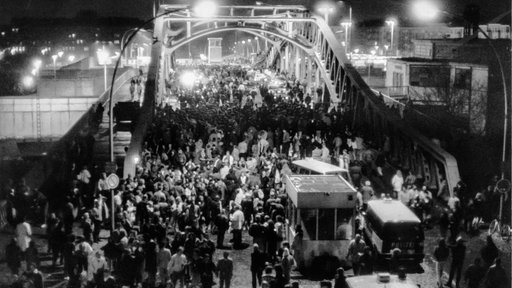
(309, 74)
(297, 64)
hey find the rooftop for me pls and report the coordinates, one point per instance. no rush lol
(320, 183)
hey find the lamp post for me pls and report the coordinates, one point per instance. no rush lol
(104, 59)
(346, 25)
(54, 58)
(203, 9)
(349, 41)
(326, 11)
(257, 44)
(391, 23)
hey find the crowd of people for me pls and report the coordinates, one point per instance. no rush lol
(213, 167)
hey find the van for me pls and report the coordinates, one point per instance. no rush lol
(389, 224)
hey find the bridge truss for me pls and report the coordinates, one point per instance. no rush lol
(303, 44)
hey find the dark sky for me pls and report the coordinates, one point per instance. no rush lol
(362, 9)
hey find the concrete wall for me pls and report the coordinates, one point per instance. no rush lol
(70, 87)
(19, 114)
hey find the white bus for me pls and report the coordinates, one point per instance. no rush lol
(324, 206)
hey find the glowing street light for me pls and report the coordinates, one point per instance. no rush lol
(103, 59)
(425, 10)
(391, 23)
(28, 82)
(54, 58)
(346, 25)
(326, 11)
(205, 9)
(37, 63)
(188, 79)
(60, 54)
(71, 58)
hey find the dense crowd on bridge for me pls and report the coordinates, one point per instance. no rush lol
(212, 167)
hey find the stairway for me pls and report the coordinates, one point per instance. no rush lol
(122, 134)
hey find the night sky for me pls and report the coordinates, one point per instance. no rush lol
(362, 9)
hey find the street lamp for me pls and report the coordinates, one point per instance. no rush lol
(346, 25)
(104, 59)
(326, 11)
(257, 44)
(391, 23)
(60, 54)
(71, 58)
(205, 9)
(199, 11)
(54, 58)
(425, 10)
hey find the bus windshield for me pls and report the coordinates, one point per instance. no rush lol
(403, 231)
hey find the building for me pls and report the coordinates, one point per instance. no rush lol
(74, 37)
(460, 88)
(376, 35)
(214, 50)
(462, 74)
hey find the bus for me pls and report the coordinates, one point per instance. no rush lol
(389, 224)
(312, 166)
(324, 206)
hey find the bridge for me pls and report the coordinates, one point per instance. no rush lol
(302, 44)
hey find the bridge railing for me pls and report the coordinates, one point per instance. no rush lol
(408, 146)
(53, 169)
(146, 112)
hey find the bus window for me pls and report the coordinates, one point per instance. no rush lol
(308, 222)
(292, 215)
(325, 224)
(344, 224)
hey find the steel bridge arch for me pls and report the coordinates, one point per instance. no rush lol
(251, 30)
(311, 34)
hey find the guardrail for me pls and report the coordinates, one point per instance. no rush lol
(365, 105)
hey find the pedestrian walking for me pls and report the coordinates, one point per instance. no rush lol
(208, 269)
(474, 274)
(13, 257)
(496, 276)
(257, 266)
(222, 224)
(340, 280)
(237, 222)
(441, 254)
(163, 257)
(458, 254)
(23, 234)
(355, 251)
(287, 263)
(177, 266)
(489, 252)
(225, 268)
(95, 271)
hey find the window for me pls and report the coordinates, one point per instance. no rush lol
(325, 224)
(343, 224)
(398, 79)
(429, 76)
(462, 79)
(292, 214)
(308, 223)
